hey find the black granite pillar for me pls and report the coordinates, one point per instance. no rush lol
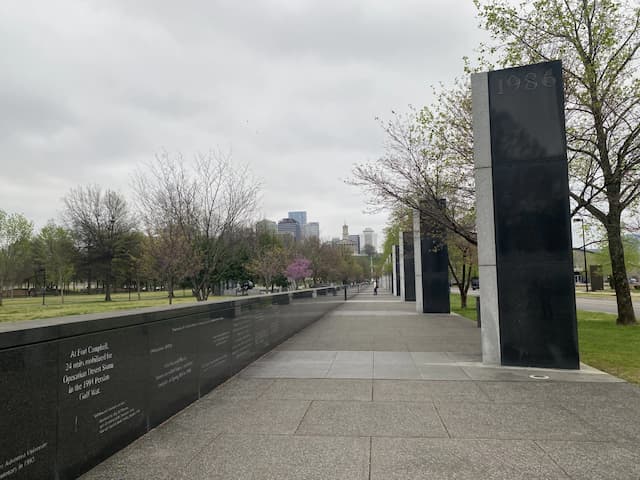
(434, 263)
(396, 267)
(409, 267)
(531, 266)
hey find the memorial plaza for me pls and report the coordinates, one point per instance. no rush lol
(374, 390)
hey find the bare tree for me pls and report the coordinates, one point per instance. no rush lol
(101, 222)
(428, 156)
(269, 264)
(196, 206)
(598, 42)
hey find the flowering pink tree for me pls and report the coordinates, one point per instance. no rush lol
(299, 269)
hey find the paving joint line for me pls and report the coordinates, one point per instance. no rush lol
(435, 407)
(370, 454)
(295, 432)
(548, 455)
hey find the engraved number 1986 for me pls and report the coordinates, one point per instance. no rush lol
(529, 81)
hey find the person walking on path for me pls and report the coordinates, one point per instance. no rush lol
(375, 287)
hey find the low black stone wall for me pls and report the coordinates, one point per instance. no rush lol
(75, 390)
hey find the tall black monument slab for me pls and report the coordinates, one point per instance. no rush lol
(409, 267)
(432, 265)
(396, 267)
(530, 197)
(435, 275)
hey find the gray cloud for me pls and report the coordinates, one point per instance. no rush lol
(90, 90)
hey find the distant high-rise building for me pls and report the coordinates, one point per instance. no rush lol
(311, 229)
(356, 240)
(266, 226)
(300, 217)
(369, 237)
(289, 225)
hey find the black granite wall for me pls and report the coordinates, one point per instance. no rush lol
(531, 207)
(74, 391)
(409, 267)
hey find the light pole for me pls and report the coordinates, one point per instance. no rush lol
(584, 251)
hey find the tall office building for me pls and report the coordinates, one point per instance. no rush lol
(311, 229)
(369, 237)
(356, 240)
(289, 225)
(300, 217)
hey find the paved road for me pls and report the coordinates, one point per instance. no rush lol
(591, 304)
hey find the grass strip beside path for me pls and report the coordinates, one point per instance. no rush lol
(19, 309)
(469, 312)
(603, 344)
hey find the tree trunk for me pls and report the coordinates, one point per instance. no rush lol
(107, 290)
(626, 315)
(170, 290)
(463, 297)
(61, 282)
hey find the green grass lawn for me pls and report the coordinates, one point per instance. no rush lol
(603, 344)
(32, 308)
(609, 347)
(469, 312)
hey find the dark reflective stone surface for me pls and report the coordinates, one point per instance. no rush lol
(28, 389)
(109, 387)
(531, 207)
(435, 275)
(531, 213)
(397, 269)
(215, 350)
(101, 396)
(409, 267)
(435, 268)
(174, 365)
(536, 331)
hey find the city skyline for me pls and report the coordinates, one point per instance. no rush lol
(324, 236)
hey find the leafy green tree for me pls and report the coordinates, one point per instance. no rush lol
(238, 245)
(463, 265)
(15, 234)
(54, 249)
(598, 42)
(631, 245)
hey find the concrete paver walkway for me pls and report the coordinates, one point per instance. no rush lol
(376, 391)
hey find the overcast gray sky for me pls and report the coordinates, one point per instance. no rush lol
(91, 89)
